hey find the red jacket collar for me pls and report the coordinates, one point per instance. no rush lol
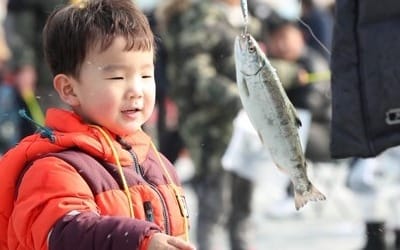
(70, 130)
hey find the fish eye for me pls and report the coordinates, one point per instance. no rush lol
(252, 49)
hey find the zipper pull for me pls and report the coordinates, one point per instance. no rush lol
(148, 211)
(182, 205)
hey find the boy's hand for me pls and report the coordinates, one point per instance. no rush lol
(160, 241)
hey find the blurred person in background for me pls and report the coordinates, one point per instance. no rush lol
(376, 183)
(12, 126)
(165, 127)
(246, 158)
(365, 121)
(24, 24)
(8, 128)
(199, 38)
(243, 157)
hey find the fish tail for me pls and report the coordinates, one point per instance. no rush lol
(312, 194)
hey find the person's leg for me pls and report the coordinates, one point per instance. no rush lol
(375, 235)
(238, 224)
(212, 204)
(363, 181)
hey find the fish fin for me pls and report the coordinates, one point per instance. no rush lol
(312, 195)
(260, 136)
(298, 122)
(296, 117)
(243, 85)
(282, 169)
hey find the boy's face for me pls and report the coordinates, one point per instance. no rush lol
(116, 88)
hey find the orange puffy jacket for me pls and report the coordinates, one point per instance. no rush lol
(113, 193)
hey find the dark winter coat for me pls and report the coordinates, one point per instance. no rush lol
(365, 78)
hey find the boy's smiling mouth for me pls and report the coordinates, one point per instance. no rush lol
(132, 113)
(131, 110)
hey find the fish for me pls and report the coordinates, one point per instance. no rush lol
(273, 116)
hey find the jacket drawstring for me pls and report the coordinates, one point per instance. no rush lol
(120, 171)
(45, 132)
(178, 195)
(181, 202)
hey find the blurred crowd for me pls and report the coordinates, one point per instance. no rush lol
(198, 105)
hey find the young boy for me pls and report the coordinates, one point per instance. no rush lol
(92, 179)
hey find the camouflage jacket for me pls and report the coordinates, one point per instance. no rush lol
(199, 40)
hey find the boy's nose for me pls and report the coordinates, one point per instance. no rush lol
(135, 89)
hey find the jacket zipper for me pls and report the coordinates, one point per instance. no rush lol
(140, 171)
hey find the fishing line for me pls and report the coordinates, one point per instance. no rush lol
(311, 31)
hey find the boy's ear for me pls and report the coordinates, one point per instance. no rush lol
(64, 85)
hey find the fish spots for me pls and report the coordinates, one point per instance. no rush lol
(284, 122)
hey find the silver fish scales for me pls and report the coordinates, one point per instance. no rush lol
(273, 115)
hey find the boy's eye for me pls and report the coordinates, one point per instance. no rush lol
(115, 78)
(147, 76)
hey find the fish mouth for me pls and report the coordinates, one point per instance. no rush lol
(243, 40)
(246, 43)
